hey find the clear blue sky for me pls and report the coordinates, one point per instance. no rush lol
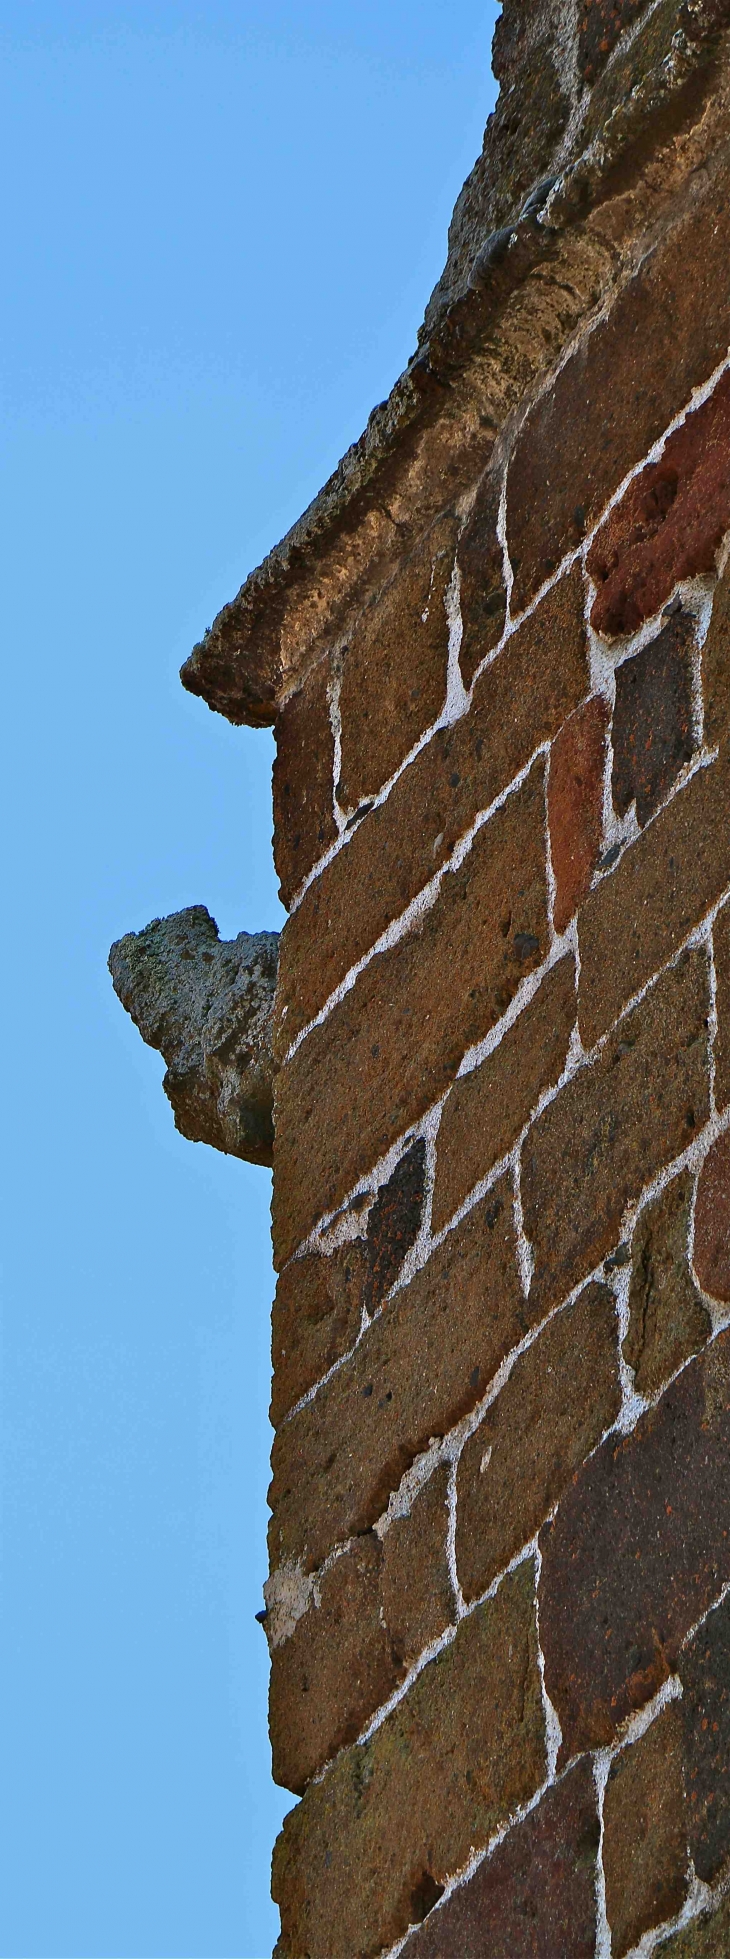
(221, 223)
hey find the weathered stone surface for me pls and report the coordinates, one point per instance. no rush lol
(669, 523)
(600, 22)
(418, 1369)
(667, 1319)
(316, 1317)
(369, 1849)
(645, 1852)
(486, 1110)
(393, 1221)
(206, 1004)
(705, 1674)
(416, 1591)
(634, 920)
(575, 805)
(616, 394)
(552, 1411)
(534, 1898)
(304, 821)
(716, 665)
(707, 1938)
(396, 1040)
(612, 1127)
(519, 702)
(394, 667)
(337, 1667)
(652, 731)
(712, 1222)
(721, 947)
(638, 1551)
(483, 597)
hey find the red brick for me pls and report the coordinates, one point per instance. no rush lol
(712, 1222)
(705, 1672)
(395, 666)
(716, 665)
(616, 394)
(667, 1319)
(652, 733)
(535, 1897)
(486, 1110)
(638, 1551)
(645, 1852)
(304, 822)
(575, 805)
(669, 522)
(396, 1040)
(612, 1127)
(483, 598)
(634, 920)
(560, 1397)
(519, 702)
(421, 1366)
(372, 1845)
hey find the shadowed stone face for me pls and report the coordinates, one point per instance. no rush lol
(206, 1003)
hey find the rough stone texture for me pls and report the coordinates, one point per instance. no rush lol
(716, 665)
(600, 22)
(394, 668)
(559, 1398)
(705, 1674)
(518, 703)
(634, 920)
(721, 946)
(669, 523)
(421, 1366)
(418, 1601)
(645, 1853)
(712, 1222)
(371, 1847)
(316, 1317)
(337, 1667)
(612, 1127)
(206, 1004)
(486, 1110)
(575, 805)
(534, 1898)
(615, 395)
(483, 598)
(652, 731)
(667, 1319)
(304, 822)
(396, 1040)
(393, 1221)
(707, 1938)
(639, 1550)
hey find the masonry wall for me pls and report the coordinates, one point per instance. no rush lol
(499, 1608)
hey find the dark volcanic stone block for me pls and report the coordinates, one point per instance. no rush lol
(638, 1551)
(394, 1220)
(705, 1673)
(652, 720)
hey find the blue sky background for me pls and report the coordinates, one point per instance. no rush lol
(221, 223)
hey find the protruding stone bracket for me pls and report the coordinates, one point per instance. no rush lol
(206, 1003)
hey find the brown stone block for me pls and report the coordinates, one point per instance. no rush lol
(535, 1897)
(600, 24)
(721, 947)
(712, 1222)
(396, 1040)
(669, 523)
(337, 1667)
(637, 916)
(486, 1110)
(304, 822)
(612, 1127)
(416, 1590)
(652, 720)
(575, 805)
(638, 1551)
(483, 598)
(519, 702)
(705, 1673)
(394, 668)
(645, 1852)
(616, 394)
(667, 1319)
(716, 665)
(370, 1848)
(552, 1411)
(421, 1366)
(707, 1938)
(315, 1318)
